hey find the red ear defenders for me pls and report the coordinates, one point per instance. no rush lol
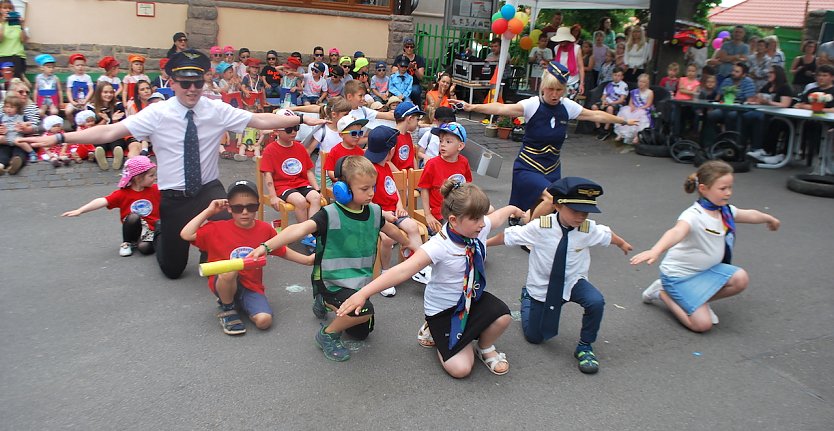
(341, 189)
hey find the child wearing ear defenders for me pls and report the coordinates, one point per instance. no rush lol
(350, 130)
(346, 244)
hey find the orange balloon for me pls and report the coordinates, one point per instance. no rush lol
(515, 26)
(525, 43)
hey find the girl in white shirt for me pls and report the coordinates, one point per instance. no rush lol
(697, 267)
(458, 309)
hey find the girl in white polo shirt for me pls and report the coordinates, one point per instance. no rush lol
(457, 307)
(697, 267)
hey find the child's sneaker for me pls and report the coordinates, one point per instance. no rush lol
(239, 157)
(125, 249)
(652, 293)
(331, 345)
(33, 158)
(309, 241)
(423, 276)
(588, 363)
(389, 292)
(118, 158)
(2, 169)
(230, 320)
(712, 316)
(14, 165)
(101, 158)
(319, 309)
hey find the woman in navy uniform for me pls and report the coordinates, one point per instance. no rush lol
(546, 116)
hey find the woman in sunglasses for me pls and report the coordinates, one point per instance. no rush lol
(416, 68)
(546, 116)
(180, 44)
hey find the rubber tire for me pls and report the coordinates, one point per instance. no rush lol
(699, 159)
(742, 166)
(698, 150)
(652, 150)
(814, 185)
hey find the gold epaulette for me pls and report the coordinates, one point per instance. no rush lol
(585, 226)
(545, 222)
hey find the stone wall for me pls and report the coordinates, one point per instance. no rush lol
(43, 175)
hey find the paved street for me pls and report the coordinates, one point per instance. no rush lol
(95, 341)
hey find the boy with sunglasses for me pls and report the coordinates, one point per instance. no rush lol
(236, 238)
(379, 83)
(289, 177)
(318, 57)
(350, 129)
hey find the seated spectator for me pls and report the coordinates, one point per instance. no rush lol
(13, 154)
(335, 83)
(442, 90)
(416, 68)
(670, 81)
(812, 129)
(639, 108)
(778, 93)
(606, 69)
(401, 82)
(271, 75)
(52, 125)
(688, 87)
(79, 84)
(346, 64)
(111, 74)
(292, 81)
(135, 74)
(141, 99)
(315, 86)
(745, 89)
(804, 66)
(380, 82)
(108, 110)
(613, 98)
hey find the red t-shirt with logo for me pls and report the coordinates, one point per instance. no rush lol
(338, 152)
(223, 239)
(288, 166)
(386, 194)
(145, 204)
(404, 152)
(436, 172)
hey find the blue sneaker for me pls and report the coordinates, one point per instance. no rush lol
(588, 363)
(319, 309)
(331, 345)
(309, 241)
(33, 158)
(230, 321)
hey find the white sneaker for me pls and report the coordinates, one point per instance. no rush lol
(652, 293)
(389, 292)
(423, 276)
(712, 315)
(125, 249)
(772, 160)
(757, 153)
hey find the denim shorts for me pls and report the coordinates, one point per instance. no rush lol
(247, 301)
(694, 291)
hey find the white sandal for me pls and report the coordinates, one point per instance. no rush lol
(493, 361)
(424, 336)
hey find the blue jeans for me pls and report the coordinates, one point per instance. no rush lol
(584, 293)
(753, 126)
(416, 94)
(715, 116)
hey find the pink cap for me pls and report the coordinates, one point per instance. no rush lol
(228, 48)
(215, 50)
(135, 166)
(334, 51)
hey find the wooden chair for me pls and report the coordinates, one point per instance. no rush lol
(401, 180)
(284, 208)
(413, 197)
(326, 192)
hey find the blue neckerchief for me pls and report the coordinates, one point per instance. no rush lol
(472, 288)
(729, 226)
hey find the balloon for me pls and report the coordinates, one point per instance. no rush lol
(723, 34)
(499, 26)
(526, 43)
(535, 35)
(496, 16)
(523, 17)
(717, 42)
(508, 11)
(515, 26)
(509, 35)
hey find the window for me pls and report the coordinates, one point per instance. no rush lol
(364, 6)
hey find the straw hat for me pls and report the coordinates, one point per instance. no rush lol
(563, 35)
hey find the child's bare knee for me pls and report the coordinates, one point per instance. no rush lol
(700, 326)
(457, 369)
(262, 320)
(740, 280)
(227, 277)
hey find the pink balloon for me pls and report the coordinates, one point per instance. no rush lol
(717, 42)
(509, 35)
(499, 26)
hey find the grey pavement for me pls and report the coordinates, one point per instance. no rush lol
(95, 341)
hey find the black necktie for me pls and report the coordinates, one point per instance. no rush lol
(191, 157)
(556, 287)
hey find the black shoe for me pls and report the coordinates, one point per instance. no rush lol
(588, 363)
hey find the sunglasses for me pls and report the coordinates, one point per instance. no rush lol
(318, 54)
(334, 54)
(182, 40)
(198, 84)
(408, 46)
(292, 129)
(345, 66)
(272, 58)
(381, 70)
(229, 54)
(244, 56)
(217, 55)
(354, 133)
(250, 208)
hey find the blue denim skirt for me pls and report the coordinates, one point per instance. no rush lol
(694, 291)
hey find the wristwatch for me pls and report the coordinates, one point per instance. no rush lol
(300, 118)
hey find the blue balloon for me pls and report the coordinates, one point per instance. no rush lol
(508, 11)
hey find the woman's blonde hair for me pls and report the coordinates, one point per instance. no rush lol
(463, 200)
(707, 174)
(630, 41)
(551, 82)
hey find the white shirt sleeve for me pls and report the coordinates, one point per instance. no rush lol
(599, 234)
(573, 108)
(528, 234)
(530, 105)
(143, 123)
(233, 119)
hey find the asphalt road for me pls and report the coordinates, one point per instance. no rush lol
(94, 341)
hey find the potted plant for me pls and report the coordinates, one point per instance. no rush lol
(730, 94)
(518, 129)
(505, 127)
(491, 129)
(818, 100)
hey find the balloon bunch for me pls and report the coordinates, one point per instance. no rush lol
(719, 40)
(509, 23)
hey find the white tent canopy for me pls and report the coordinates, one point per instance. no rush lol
(538, 5)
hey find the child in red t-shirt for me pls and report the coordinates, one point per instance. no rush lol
(350, 129)
(138, 202)
(407, 115)
(380, 151)
(236, 238)
(450, 165)
(289, 176)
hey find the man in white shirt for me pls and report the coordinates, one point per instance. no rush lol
(186, 188)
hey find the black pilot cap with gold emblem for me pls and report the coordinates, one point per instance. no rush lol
(188, 64)
(579, 194)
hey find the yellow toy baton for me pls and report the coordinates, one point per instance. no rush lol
(223, 266)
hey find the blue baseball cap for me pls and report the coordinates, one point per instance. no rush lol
(222, 67)
(6, 64)
(358, 54)
(405, 109)
(380, 141)
(44, 59)
(579, 194)
(453, 128)
(381, 65)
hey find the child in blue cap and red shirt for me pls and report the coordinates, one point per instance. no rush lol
(559, 244)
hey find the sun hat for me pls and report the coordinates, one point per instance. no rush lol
(52, 121)
(376, 106)
(134, 166)
(156, 95)
(348, 121)
(563, 35)
(82, 116)
(222, 67)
